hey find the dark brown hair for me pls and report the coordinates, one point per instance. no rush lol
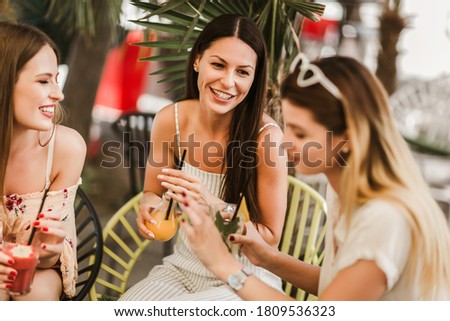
(247, 116)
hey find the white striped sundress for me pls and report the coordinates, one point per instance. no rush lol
(182, 276)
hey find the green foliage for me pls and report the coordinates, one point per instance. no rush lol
(74, 16)
(279, 20)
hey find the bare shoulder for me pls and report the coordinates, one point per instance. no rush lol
(68, 157)
(69, 142)
(164, 122)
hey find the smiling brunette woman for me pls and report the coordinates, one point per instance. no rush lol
(229, 141)
(36, 156)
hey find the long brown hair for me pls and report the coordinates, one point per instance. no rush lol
(380, 164)
(247, 116)
(19, 43)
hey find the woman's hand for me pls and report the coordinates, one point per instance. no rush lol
(51, 234)
(148, 202)
(204, 238)
(253, 245)
(7, 273)
(177, 182)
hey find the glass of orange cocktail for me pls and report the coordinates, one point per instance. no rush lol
(166, 223)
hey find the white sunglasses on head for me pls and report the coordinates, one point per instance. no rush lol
(315, 75)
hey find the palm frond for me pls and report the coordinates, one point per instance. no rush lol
(280, 22)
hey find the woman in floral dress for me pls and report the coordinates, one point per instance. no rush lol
(36, 155)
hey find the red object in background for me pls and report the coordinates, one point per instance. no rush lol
(124, 77)
(317, 30)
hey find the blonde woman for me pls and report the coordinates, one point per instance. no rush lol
(386, 237)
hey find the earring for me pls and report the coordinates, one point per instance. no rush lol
(195, 68)
(50, 138)
(345, 150)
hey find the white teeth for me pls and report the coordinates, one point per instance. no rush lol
(222, 95)
(50, 110)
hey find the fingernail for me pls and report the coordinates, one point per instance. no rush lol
(160, 176)
(14, 273)
(11, 277)
(186, 204)
(41, 215)
(231, 238)
(183, 193)
(151, 234)
(36, 223)
(9, 286)
(43, 246)
(182, 220)
(11, 262)
(164, 184)
(165, 170)
(45, 229)
(28, 227)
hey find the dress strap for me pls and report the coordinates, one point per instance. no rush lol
(177, 128)
(267, 125)
(48, 170)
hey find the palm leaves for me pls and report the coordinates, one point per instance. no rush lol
(278, 20)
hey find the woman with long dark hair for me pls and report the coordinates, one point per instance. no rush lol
(230, 143)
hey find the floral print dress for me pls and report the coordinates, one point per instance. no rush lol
(20, 211)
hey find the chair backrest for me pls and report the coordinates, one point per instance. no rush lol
(304, 231)
(134, 132)
(89, 245)
(122, 247)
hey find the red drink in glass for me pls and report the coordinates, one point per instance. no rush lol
(25, 263)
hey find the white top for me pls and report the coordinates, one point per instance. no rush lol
(183, 257)
(378, 232)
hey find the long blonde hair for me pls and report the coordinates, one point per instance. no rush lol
(380, 164)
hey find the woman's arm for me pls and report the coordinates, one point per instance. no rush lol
(363, 280)
(161, 155)
(272, 184)
(206, 242)
(68, 161)
(302, 275)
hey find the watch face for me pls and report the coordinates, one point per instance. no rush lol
(235, 281)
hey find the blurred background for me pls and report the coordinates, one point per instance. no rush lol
(107, 72)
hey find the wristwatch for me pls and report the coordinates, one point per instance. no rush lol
(236, 280)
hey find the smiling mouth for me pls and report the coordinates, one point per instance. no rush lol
(48, 110)
(221, 94)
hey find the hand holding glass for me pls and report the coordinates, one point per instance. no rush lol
(222, 214)
(165, 227)
(26, 259)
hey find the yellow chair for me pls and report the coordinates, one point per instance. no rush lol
(304, 231)
(122, 246)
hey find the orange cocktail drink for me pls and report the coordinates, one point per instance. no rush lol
(164, 229)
